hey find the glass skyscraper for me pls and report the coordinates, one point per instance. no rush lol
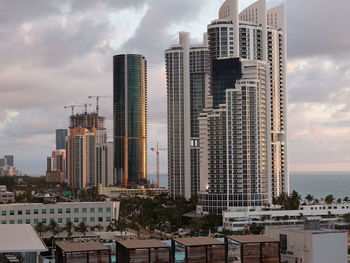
(130, 118)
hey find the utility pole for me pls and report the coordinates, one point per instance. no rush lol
(157, 150)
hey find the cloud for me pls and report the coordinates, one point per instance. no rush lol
(55, 53)
(318, 28)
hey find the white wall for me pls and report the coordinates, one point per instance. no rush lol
(330, 248)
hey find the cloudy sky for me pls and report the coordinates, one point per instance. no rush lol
(58, 52)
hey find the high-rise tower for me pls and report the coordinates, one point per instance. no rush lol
(130, 118)
(61, 135)
(246, 56)
(187, 84)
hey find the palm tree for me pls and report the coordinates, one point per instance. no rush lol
(117, 225)
(82, 228)
(99, 227)
(40, 228)
(53, 227)
(329, 199)
(69, 227)
(309, 198)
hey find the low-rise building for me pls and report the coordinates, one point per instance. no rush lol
(6, 196)
(237, 219)
(113, 191)
(310, 244)
(91, 213)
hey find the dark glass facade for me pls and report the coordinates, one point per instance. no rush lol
(61, 135)
(225, 73)
(130, 118)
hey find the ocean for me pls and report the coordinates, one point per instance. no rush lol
(318, 184)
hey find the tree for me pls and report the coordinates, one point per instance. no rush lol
(339, 201)
(329, 199)
(99, 227)
(309, 198)
(40, 228)
(291, 202)
(69, 227)
(82, 228)
(346, 199)
(53, 228)
(255, 229)
(117, 225)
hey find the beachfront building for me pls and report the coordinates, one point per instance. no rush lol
(236, 219)
(91, 213)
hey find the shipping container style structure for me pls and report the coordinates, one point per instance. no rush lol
(83, 252)
(253, 249)
(143, 251)
(200, 250)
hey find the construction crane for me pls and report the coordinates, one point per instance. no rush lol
(157, 150)
(72, 107)
(85, 105)
(97, 101)
(126, 139)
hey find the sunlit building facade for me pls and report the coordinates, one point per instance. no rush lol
(130, 119)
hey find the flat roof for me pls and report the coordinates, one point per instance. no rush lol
(198, 241)
(140, 244)
(20, 238)
(251, 239)
(81, 247)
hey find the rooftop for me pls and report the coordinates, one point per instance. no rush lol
(69, 247)
(198, 241)
(20, 238)
(301, 229)
(139, 244)
(251, 239)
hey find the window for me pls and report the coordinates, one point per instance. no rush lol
(67, 219)
(84, 210)
(59, 210)
(108, 209)
(52, 220)
(12, 212)
(100, 209)
(3, 222)
(92, 210)
(43, 211)
(12, 222)
(27, 221)
(283, 244)
(19, 212)
(100, 219)
(60, 220)
(92, 219)
(36, 221)
(76, 219)
(108, 219)
(36, 211)
(3, 213)
(76, 210)
(28, 212)
(43, 220)
(52, 211)
(68, 210)
(19, 221)
(84, 219)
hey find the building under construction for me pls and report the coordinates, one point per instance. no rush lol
(86, 131)
(87, 120)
